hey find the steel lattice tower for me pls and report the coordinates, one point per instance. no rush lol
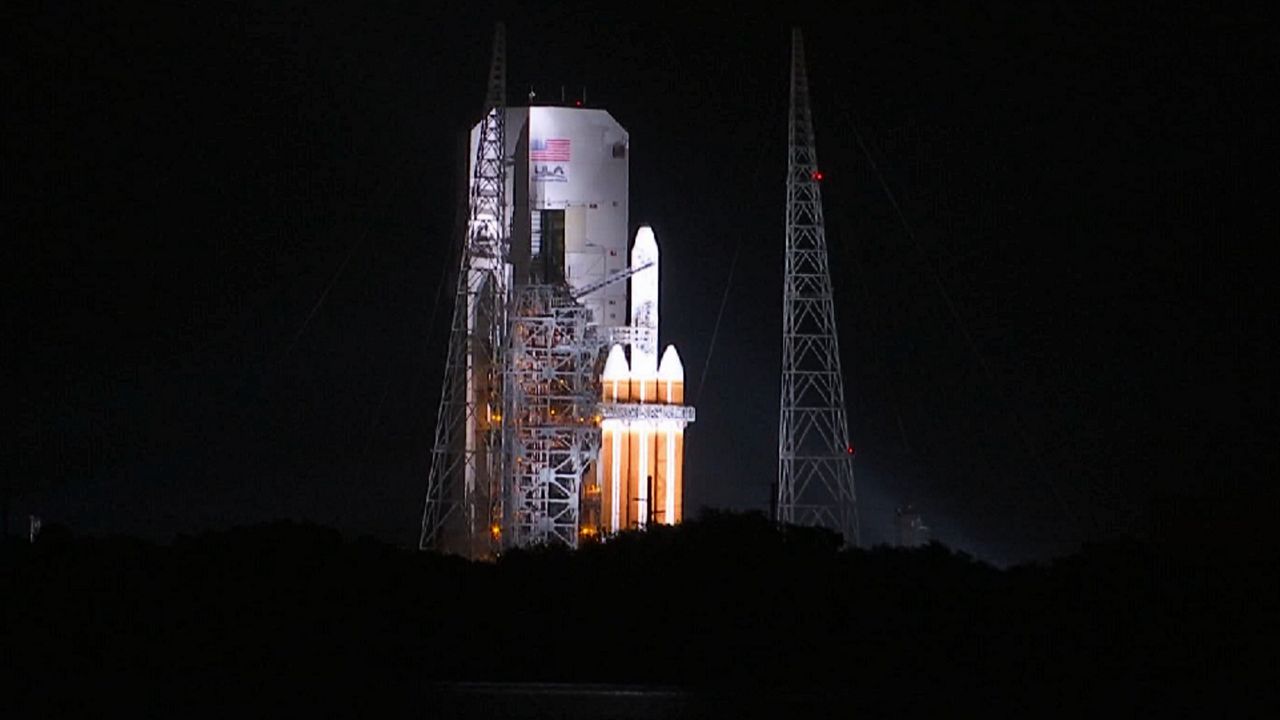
(815, 473)
(464, 495)
(550, 395)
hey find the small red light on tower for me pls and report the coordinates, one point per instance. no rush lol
(817, 175)
(577, 103)
(849, 449)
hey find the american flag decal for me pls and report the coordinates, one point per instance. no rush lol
(556, 150)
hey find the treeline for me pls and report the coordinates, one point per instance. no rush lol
(290, 613)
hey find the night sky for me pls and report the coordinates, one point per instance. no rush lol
(226, 227)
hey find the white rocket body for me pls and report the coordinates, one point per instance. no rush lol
(642, 446)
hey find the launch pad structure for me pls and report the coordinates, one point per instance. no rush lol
(528, 448)
(559, 419)
(549, 418)
(462, 486)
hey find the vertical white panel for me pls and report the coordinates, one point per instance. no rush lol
(642, 475)
(616, 510)
(578, 159)
(671, 477)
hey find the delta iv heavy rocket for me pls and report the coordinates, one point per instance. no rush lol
(641, 467)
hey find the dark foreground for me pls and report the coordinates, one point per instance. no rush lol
(585, 701)
(723, 617)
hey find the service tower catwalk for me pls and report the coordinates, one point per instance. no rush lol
(815, 472)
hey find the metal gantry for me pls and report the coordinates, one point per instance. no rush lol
(815, 472)
(551, 430)
(464, 485)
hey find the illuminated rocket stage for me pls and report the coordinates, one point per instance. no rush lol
(642, 454)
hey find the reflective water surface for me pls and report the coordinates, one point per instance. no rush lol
(463, 701)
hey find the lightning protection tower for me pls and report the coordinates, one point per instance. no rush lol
(464, 493)
(815, 473)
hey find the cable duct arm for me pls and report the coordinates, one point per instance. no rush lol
(623, 274)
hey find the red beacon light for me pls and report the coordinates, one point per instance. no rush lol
(849, 449)
(817, 175)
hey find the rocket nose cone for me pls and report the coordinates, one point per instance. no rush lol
(646, 245)
(615, 366)
(670, 368)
